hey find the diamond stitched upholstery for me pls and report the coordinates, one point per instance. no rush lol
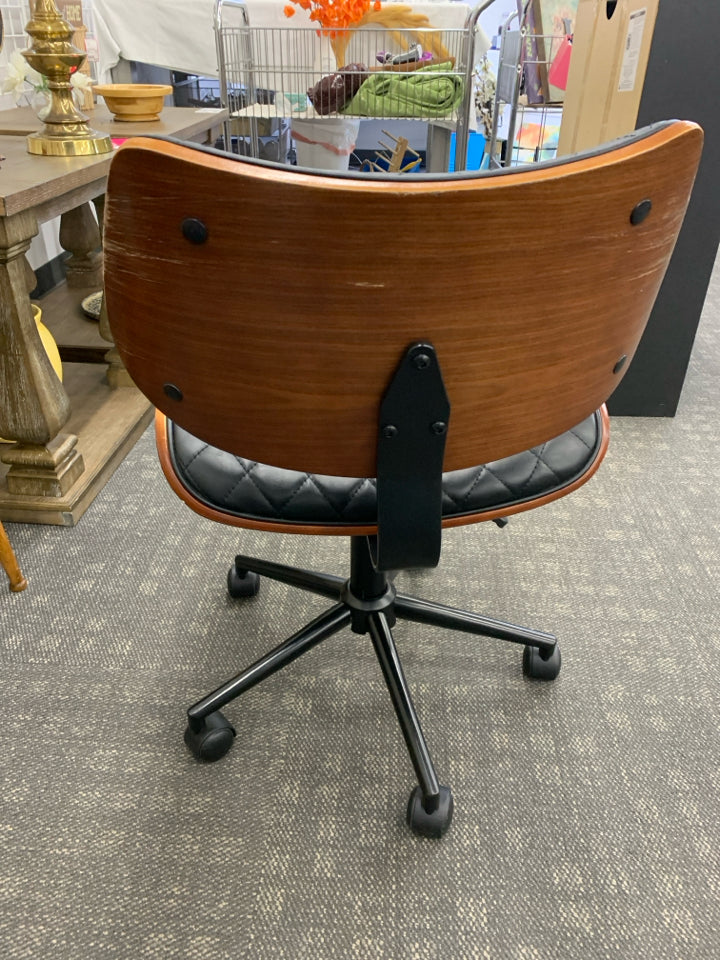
(254, 490)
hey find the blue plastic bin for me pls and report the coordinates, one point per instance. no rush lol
(476, 151)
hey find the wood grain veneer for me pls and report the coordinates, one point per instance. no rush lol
(283, 329)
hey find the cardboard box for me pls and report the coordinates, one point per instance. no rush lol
(610, 52)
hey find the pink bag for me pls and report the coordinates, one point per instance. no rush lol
(558, 72)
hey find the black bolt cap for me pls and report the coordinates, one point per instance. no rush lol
(170, 390)
(640, 212)
(194, 230)
(620, 364)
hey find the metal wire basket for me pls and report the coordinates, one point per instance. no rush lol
(298, 72)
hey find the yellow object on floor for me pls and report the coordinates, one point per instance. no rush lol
(9, 563)
(51, 348)
(48, 341)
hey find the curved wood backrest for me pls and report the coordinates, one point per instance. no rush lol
(283, 328)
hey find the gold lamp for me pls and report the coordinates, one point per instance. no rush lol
(65, 132)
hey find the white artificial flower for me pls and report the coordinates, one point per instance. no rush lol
(20, 76)
(81, 81)
(36, 79)
(17, 69)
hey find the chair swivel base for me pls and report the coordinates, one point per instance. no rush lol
(369, 604)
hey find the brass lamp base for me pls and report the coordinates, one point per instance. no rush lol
(65, 133)
(83, 143)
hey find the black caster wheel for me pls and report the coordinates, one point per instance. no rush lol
(242, 583)
(430, 824)
(534, 666)
(212, 740)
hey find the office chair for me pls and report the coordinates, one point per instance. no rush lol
(380, 357)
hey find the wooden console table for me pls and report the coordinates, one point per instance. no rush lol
(68, 437)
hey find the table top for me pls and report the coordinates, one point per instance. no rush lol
(30, 182)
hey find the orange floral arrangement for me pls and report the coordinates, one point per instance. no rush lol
(334, 14)
(334, 17)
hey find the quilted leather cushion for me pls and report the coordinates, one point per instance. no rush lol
(254, 490)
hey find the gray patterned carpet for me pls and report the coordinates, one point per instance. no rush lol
(587, 811)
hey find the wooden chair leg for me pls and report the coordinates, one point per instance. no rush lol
(10, 564)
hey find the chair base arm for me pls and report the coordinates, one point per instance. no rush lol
(368, 603)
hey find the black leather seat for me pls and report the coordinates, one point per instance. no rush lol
(245, 488)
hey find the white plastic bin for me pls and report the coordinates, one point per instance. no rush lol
(325, 144)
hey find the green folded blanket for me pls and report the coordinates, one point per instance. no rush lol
(417, 94)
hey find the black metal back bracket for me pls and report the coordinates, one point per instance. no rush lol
(414, 416)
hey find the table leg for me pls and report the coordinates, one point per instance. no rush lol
(99, 203)
(33, 405)
(117, 375)
(80, 236)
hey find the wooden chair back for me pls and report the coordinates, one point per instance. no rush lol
(265, 308)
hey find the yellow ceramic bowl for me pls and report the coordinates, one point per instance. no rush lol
(134, 101)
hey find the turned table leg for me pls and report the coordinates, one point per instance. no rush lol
(81, 233)
(80, 236)
(33, 405)
(10, 564)
(117, 375)
(99, 204)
